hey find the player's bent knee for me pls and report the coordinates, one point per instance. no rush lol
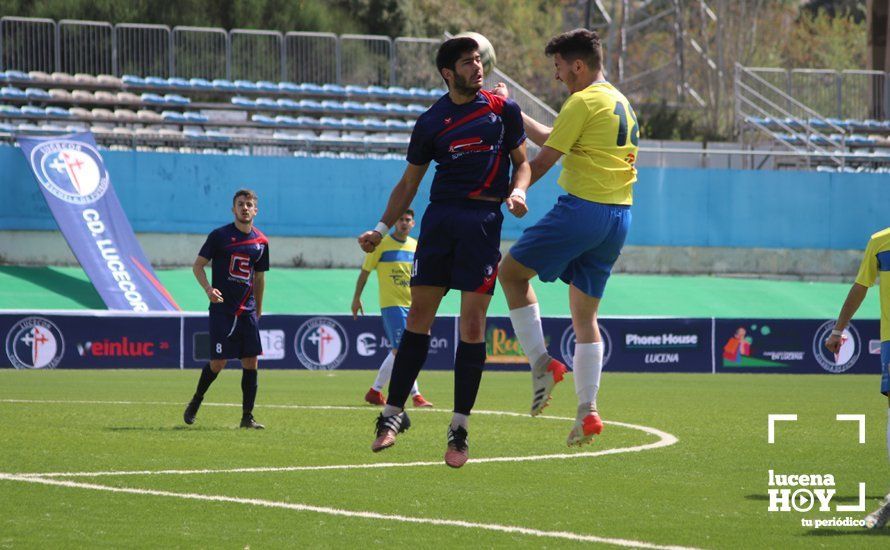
(217, 365)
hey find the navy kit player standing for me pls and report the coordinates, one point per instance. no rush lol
(239, 253)
(474, 137)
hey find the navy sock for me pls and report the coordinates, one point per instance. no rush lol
(207, 378)
(409, 360)
(248, 389)
(468, 364)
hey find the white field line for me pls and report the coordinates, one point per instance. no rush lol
(664, 440)
(564, 535)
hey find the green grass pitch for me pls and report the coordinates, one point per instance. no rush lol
(706, 490)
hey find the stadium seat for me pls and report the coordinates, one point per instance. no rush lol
(353, 123)
(17, 75)
(156, 82)
(374, 107)
(289, 87)
(57, 112)
(333, 89)
(37, 94)
(104, 114)
(394, 124)
(400, 92)
(109, 80)
(357, 90)
(329, 105)
(872, 125)
(311, 105)
(59, 94)
(200, 84)
(353, 107)
(195, 117)
(266, 86)
(374, 124)
(397, 108)
(330, 122)
(287, 103)
(148, 115)
(153, 99)
(284, 120)
(79, 127)
(263, 119)
(83, 79)
(414, 108)
(31, 111)
(125, 115)
(377, 90)
(102, 96)
(128, 97)
(132, 80)
(80, 112)
(173, 116)
(39, 76)
(122, 131)
(11, 92)
(310, 88)
(243, 101)
(223, 85)
(267, 103)
(176, 99)
(307, 121)
(245, 85)
(177, 82)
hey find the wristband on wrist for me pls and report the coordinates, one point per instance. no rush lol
(518, 193)
(836, 332)
(381, 228)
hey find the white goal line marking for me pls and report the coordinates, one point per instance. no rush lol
(346, 513)
(664, 440)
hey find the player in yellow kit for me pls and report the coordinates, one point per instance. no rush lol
(875, 267)
(579, 240)
(392, 259)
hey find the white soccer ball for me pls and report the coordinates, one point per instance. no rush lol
(486, 50)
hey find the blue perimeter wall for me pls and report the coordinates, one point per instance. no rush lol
(187, 193)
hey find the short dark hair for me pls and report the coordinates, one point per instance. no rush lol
(410, 212)
(249, 193)
(580, 44)
(451, 50)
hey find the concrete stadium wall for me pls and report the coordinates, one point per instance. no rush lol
(684, 220)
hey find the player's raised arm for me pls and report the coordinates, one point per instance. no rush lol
(399, 201)
(543, 161)
(213, 294)
(537, 132)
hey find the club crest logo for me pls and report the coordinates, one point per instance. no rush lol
(70, 170)
(321, 344)
(846, 357)
(567, 345)
(35, 343)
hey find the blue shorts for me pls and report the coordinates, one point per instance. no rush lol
(234, 337)
(578, 241)
(395, 319)
(459, 246)
(885, 368)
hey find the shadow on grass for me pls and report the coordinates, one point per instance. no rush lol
(169, 428)
(847, 531)
(72, 288)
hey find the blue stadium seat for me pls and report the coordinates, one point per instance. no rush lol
(853, 124)
(132, 80)
(157, 82)
(394, 124)
(176, 99)
(329, 105)
(194, 116)
(17, 75)
(375, 107)
(311, 105)
(57, 112)
(357, 90)
(284, 120)
(353, 107)
(263, 119)
(243, 101)
(818, 124)
(11, 92)
(419, 93)
(267, 103)
(311, 88)
(333, 89)
(289, 87)
(352, 123)
(37, 93)
(7, 111)
(287, 103)
(31, 111)
(416, 109)
(6, 128)
(177, 82)
(872, 124)
(216, 135)
(267, 86)
(223, 85)
(836, 121)
(330, 122)
(377, 90)
(436, 92)
(245, 85)
(857, 140)
(400, 92)
(173, 116)
(397, 108)
(793, 123)
(374, 124)
(200, 84)
(195, 134)
(307, 121)
(153, 99)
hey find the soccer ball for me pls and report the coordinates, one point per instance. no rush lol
(486, 50)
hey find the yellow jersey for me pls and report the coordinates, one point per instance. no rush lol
(393, 260)
(875, 267)
(597, 131)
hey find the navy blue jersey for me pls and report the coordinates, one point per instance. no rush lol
(471, 145)
(235, 256)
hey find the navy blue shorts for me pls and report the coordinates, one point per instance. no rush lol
(459, 246)
(234, 337)
(578, 241)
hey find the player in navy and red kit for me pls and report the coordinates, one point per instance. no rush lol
(239, 253)
(474, 137)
